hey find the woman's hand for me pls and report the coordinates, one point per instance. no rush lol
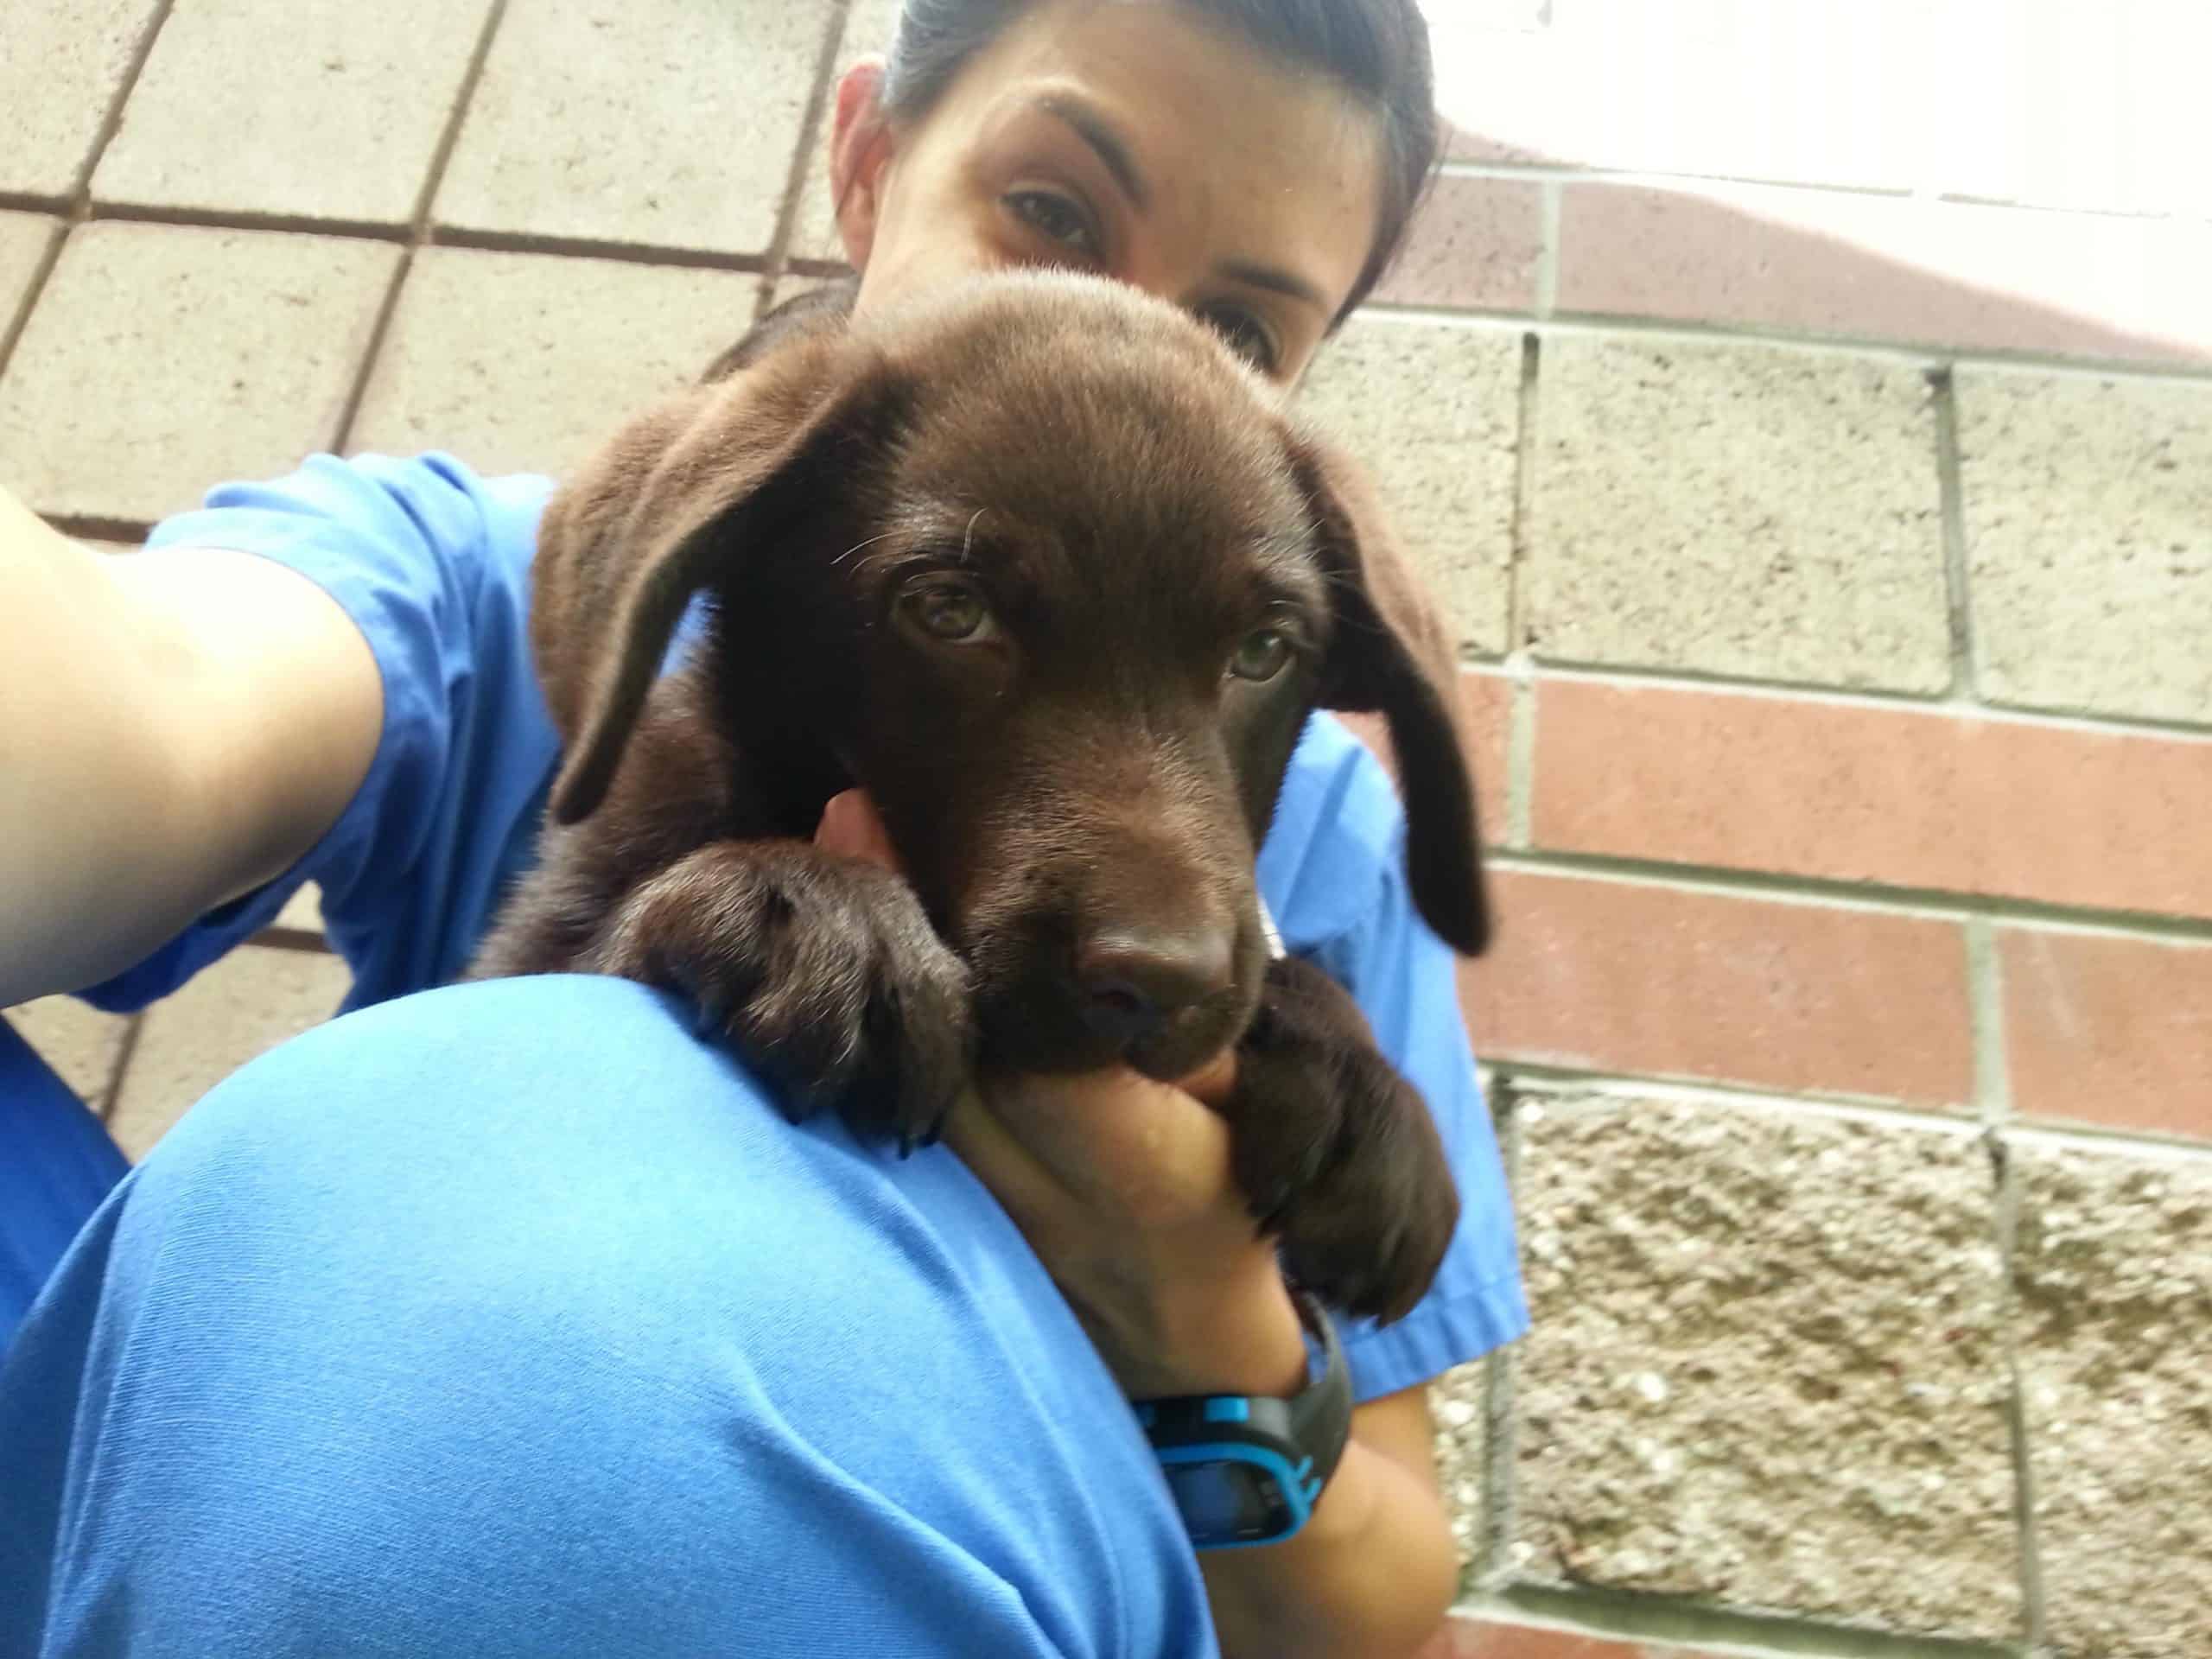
(1123, 1186)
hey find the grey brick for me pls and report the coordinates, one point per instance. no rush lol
(161, 361)
(61, 64)
(519, 361)
(1433, 410)
(1766, 1365)
(80, 1042)
(868, 28)
(304, 909)
(2088, 521)
(2113, 1270)
(231, 1012)
(23, 238)
(1738, 509)
(656, 121)
(338, 119)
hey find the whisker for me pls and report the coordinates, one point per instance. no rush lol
(858, 546)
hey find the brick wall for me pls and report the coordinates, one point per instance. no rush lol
(1806, 412)
(1831, 535)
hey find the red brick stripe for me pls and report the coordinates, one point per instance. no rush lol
(1887, 267)
(1468, 1638)
(1475, 246)
(1907, 797)
(2109, 1030)
(1631, 976)
(1489, 703)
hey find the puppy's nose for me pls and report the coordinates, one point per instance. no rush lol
(1133, 982)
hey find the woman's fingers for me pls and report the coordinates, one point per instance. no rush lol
(850, 827)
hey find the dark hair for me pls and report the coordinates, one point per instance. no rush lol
(1376, 49)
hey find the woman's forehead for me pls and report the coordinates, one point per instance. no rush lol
(1268, 160)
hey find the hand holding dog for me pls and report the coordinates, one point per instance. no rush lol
(1125, 1190)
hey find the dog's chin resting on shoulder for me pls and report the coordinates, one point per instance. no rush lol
(1045, 569)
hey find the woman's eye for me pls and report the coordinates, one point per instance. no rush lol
(952, 612)
(1262, 655)
(1246, 335)
(1058, 218)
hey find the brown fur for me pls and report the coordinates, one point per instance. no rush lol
(1078, 800)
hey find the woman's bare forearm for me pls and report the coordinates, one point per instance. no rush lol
(1373, 1572)
(173, 730)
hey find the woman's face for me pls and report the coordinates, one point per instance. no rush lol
(1132, 140)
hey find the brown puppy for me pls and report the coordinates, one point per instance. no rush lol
(1042, 567)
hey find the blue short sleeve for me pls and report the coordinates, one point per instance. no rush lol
(432, 564)
(512, 1320)
(1333, 872)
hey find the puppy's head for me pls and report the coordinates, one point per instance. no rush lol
(1042, 567)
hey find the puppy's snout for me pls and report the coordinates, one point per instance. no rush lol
(1134, 983)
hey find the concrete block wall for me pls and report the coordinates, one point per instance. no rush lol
(1806, 412)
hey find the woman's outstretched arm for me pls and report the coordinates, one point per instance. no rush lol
(174, 730)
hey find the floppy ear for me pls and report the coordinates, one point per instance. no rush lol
(667, 506)
(1392, 654)
(828, 307)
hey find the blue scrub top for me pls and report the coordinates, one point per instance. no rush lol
(512, 1321)
(432, 562)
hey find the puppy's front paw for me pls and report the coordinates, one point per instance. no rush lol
(1337, 1152)
(823, 970)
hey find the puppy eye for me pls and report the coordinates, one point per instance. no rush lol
(1059, 218)
(952, 612)
(1262, 655)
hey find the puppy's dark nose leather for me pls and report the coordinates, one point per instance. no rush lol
(1133, 982)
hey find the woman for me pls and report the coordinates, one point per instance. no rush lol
(326, 679)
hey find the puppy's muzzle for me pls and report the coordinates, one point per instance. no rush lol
(1134, 984)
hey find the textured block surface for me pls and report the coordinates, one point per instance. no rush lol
(1766, 1364)
(1738, 509)
(241, 1006)
(2113, 1270)
(1433, 411)
(23, 238)
(1457, 1406)
(524, 362)
(339, 119)
(241, 348)
(660, 123)
(61, 64)
(2088, 523)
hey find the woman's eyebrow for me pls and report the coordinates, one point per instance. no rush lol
(1273, 279)
(1106, 144)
